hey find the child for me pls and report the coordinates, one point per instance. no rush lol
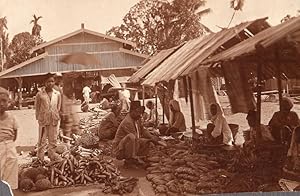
(8, 135)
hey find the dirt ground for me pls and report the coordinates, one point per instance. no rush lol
(28, 136)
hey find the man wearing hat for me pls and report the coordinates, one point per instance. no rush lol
(131, 140)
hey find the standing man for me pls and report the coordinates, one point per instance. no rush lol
(48, 104)
(86, 93)
(86, 96)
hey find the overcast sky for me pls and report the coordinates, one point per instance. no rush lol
(64, 16)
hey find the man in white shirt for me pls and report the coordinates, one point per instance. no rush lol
(86, 93)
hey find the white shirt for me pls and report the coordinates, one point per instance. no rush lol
(86, 91)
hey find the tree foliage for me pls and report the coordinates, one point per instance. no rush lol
(20, 47)
(36, 29)
(237, 5)
(160, 24)
(4, 39)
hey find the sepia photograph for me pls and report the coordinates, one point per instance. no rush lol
(149, 97)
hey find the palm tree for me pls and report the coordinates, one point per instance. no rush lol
(237, 5)
(36, 29)
(3, 26)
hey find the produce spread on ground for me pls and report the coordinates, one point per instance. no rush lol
(175, 169)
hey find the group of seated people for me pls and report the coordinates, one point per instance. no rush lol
(131, 136)
(283, 128)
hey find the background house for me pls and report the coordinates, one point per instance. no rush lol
(114, 55)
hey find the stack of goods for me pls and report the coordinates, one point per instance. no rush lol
(173, 170)
(80, 167)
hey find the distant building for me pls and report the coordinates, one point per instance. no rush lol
(114, 54)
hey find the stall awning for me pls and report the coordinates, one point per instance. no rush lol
(266, 38)
(187, 58)
(152, 64)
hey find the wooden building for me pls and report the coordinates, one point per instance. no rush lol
(115, 56)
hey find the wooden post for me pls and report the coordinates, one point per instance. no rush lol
(163, 104)
(143, 94)
(156, 112)
(192, 107)
(278, 73)
(259, 52)
(20, 83)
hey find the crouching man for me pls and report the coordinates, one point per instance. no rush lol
(131, 140)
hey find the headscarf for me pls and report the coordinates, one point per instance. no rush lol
(287, 104)
(219, 112)
(175, 105)
(221, 126)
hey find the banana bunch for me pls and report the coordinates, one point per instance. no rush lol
(245, 160)
(73, 171)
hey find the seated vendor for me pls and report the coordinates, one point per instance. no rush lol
(265, 133)
(131, 140)
(293, 156)
(150, 121)
(110, 123)
(177, 121)
(219, 131)
(284, 121)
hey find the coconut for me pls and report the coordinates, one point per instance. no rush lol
(42, 170)
(43, 184)
(61, 148)
(39, 177)
(30, 173)
(26, 184)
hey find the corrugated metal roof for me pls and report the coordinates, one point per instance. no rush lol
(82, 30)
(51, 63)
(189, 56)
(34, 59)
(152, 64)
(265, 38)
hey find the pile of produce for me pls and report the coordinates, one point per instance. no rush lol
(173, 170)
(244, 160)
(93, 120)
(78, 167)
(34, 179)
